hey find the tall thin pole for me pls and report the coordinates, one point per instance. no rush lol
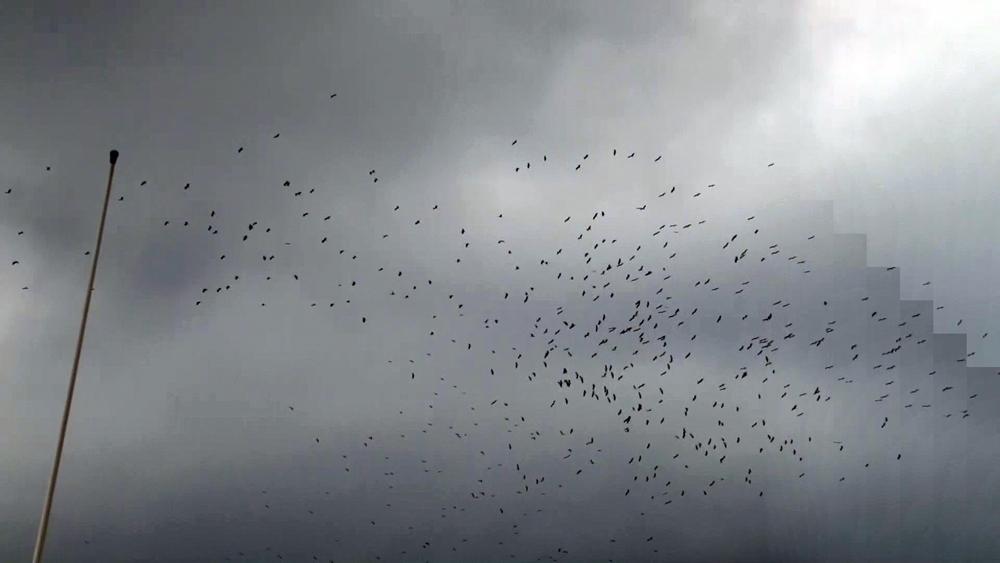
(43, 525)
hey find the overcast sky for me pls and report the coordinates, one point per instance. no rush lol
(879, 119)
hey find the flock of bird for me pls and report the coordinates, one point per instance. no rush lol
(651, 351)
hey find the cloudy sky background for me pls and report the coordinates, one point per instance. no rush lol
(885, 110)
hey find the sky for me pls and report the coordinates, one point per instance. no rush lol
(878, 119)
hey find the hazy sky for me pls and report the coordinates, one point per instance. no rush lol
(884, 110)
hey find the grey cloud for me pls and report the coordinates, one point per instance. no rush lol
(182, 413)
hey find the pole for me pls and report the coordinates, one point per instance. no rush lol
(43, 525)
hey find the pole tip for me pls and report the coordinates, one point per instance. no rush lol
(114, 156)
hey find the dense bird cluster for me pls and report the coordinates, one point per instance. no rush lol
(657, 351)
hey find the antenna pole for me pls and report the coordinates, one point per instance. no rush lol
(43, 525)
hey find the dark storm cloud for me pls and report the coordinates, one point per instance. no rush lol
(431, 97)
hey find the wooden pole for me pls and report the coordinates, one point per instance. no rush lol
(43, 525)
